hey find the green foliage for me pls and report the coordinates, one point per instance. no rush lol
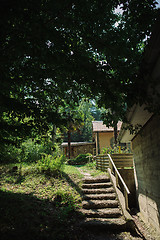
(85, 131)
(29, 151)
(116, 149)
(81, 159)
(9, 153)
(91, 165)
(91, 168)
(89, 111)
(72, 170)
(66, 200)
(54, 52)
(51, 165)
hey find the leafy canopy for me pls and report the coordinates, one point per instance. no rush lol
(56, 51)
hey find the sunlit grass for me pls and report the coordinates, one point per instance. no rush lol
(72, 170)
(91, 168)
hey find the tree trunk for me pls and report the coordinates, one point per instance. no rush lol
(53, 136)
(69, 143)
(115, 133)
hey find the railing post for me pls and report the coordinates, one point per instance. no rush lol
(126, 199)
(116, 175)
(96, 163)
(101, 163)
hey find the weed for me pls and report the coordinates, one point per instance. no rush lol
(51, 165)
(81, 159)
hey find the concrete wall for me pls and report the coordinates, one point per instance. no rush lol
(146, 149)
(128, 177)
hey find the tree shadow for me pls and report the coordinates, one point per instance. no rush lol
(24, 216)
(72, 183)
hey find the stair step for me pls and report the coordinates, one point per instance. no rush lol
(100, 179)
(102, 213)
(97, 185)
(106, 224)
(98, 191)
(106, 196)
(99, 204)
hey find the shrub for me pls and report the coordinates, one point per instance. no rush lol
(91, 165)
(29, 151)
(10, 154)
(115, 149)
(51, 165)
(81, 159)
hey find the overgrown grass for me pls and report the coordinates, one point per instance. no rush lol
(73, 171)
(35, 205)
(91, 168)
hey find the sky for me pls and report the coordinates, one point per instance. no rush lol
(158, 5)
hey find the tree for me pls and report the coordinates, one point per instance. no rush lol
(72, 121)
(89, 112)
(85, 131)
(55, 51)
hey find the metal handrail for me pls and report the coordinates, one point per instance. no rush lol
(118, 177)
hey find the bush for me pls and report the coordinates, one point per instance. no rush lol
(115, 149)
(10, 154)
(81, 159)
(51, 165)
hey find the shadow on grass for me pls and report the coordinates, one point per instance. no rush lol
(72, 183)
(23, 216)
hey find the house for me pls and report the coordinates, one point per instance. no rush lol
(78, 148)
(146, 139)
(102, 135)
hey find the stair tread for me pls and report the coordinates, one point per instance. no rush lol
(100, 196)
(97, 185)
(96, 179)
(104, 210)
(115, 221)
(100, 206)
(99, 203)
(101, 190)
(102, 213)
(106, 220)
(105, 223)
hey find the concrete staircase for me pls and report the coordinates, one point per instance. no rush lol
(100, 206)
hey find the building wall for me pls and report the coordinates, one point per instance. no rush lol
(85, 149)
(104, 139)
(80, 149)
(146, 149)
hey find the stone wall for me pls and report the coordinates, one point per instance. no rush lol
(146, 149)
(88, 148)
(79, 149)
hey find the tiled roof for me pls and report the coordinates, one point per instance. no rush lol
(65, 144)
(98, 126)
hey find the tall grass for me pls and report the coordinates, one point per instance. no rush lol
(52, 165)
